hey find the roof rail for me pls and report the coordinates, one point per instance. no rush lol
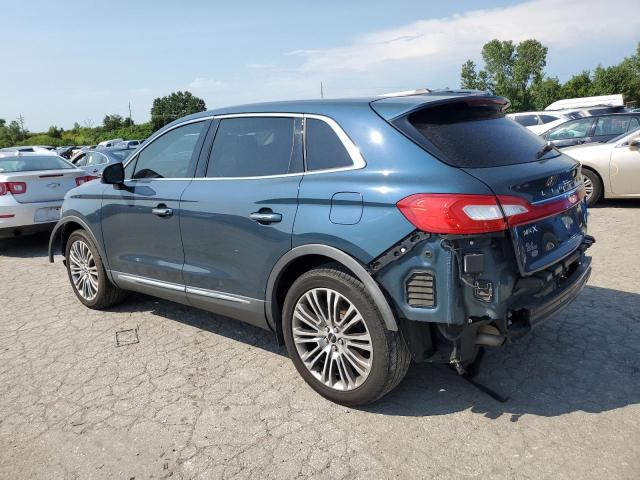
(406, 93)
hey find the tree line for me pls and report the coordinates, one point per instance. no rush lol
(517, 72)
(163, 111)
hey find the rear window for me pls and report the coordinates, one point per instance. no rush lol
(32, 164)
(473, 136)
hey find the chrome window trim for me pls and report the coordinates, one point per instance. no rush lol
(157, 135)
(357, 160)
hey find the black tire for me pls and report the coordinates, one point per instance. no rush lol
(390, 355)
(597, 186)
(107, 293)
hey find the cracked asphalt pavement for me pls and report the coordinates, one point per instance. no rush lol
(192, 395)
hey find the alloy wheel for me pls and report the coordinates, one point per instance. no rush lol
(588, 186)
(84, 272)
(332, 339)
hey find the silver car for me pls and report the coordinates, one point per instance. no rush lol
(610, 169)
(32, 187)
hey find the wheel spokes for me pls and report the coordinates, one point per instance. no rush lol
(332, 339)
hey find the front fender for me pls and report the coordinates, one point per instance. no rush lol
(59, 228)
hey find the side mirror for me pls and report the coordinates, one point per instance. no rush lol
(634, 142)
(113, 174)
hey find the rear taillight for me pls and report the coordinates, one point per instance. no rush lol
(449, 213)
(471, 214)
(14, 188)
(84, 179)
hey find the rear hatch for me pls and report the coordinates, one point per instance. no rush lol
(39, 178)
(472, 133)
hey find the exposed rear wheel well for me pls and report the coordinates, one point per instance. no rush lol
(289, 275)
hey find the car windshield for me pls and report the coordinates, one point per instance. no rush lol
(121, 154)
(32, 164)
(623, 136)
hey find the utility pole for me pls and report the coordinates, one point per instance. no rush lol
(321, 90)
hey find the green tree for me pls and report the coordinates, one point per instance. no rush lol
(112, 122)
(173, 106)
(509, 70)
(55, 132)
(545, 92)
(578, 85)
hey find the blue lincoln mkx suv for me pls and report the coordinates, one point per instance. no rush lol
(363, 232)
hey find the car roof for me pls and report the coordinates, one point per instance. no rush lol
(387, 106)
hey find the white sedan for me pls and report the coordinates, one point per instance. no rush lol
(611, 169)
(32, 187)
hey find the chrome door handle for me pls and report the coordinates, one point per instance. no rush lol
(266, 217)
(162, 211)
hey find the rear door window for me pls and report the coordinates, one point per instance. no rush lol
(324, 150)
(613, 125)
(253, 147)
(573, 129)
(470, 136)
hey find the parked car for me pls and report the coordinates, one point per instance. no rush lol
(110, 143)
(94, 161)
(128, 143)
(599, 128)
(610, 169)
(32, 187)
(539, 122)
(29, 148)
(364, 233)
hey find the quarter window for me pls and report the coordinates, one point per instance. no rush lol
(633, 124)
(324, 149)
(253, 147)
(170, 155)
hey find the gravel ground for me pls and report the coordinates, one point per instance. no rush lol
(205, 397)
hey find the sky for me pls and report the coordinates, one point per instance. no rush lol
(75, 61)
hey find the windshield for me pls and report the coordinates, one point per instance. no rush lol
(471, 136)
(32, 164)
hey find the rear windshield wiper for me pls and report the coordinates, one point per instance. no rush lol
(547, 148)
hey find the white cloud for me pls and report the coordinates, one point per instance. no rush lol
(564, 24)
(206, 84)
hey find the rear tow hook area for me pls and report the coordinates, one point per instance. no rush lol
(469, 372)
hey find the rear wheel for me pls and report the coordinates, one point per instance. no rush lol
(592, 186)
(337, 339)
(87, 274)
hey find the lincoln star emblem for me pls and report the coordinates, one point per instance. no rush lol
(53, 185)
(550, 181)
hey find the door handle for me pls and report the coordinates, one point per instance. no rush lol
(162, 211)
(266, 217)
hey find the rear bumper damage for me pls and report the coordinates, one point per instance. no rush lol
(468, 293)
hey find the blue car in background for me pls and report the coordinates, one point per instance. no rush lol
(95, 160)
(363, 232)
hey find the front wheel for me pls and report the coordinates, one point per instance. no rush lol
(337, 338)
(87, 274)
